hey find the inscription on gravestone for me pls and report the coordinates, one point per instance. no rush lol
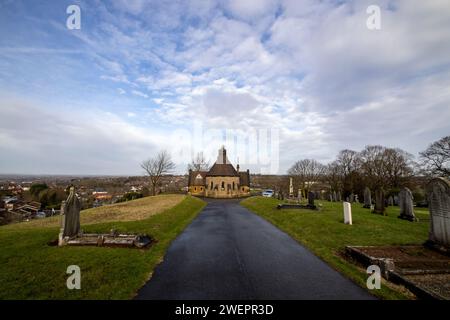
(438, 194)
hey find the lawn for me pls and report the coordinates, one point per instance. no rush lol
(125, 211)
(325, 234)
(31, 269)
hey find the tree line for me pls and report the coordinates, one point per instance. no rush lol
(377, 167)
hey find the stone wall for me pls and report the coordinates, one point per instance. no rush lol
(197, 190)
(231, 188)
(222, 187)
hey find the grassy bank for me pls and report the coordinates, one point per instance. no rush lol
(30, 269)
(326, 235)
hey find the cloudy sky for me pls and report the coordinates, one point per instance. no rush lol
(275, 81)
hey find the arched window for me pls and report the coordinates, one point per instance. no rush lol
(233, 185)
(212, 186)
(195, 189)
(223, 184)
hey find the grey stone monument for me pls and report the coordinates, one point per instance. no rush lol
(311, 197)
(395, 200)
(405, 198)
(70, 222)
(379, 202)
(438, 195)
(339, 196)
(367, 198)
(351, 198)
(334, 196)
(390, 201)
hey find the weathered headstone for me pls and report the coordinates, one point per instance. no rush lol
(339, 196)
(438, 195)
(70, 223)
(356, 198)
(390, 201)
(347, 213)
(379, 202)
(299, 195)
(405, 198)
(318, 195)
(367, 198)
(311, 197)
(351, 198)
(395, 200)
(334, 196)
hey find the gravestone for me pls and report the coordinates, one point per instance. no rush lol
(334, 196)
(367, 198)
(351, 198)
(390, 201)
(438, 195)
(330, 197)
(405, 198)
(395, 200)
(311, 197)
(379, 202)
(299, 195)
(347, 213)
(70, 222)
(339, 196)
(291, 188)
(356, 198)
(318, 195)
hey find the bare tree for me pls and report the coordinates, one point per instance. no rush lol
(307, 171)
(348, 161)
(157, 167)
(349, 165)
(199, 163)
(385, 167)
(436, 158)
(334, 175)
(399, 167)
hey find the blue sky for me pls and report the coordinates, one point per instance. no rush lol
(142, 76)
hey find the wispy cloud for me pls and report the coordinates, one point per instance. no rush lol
(310, 69)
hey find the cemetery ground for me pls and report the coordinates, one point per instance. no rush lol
(326, 235)
(32, 269)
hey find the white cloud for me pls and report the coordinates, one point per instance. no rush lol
(308, 68)
(139, 94)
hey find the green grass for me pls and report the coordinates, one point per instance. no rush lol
(325, 234)
(30, 269)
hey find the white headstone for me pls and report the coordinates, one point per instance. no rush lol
(347, 213)
(291, 188)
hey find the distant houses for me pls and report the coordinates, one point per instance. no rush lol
(101, 195)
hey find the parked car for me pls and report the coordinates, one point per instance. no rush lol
(267, 193)
(40, 215)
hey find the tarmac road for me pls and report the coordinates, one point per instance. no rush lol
(228, 252)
